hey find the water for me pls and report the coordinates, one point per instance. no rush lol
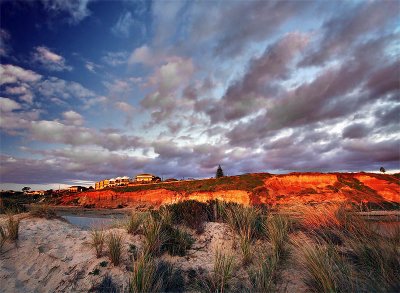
(91, 222)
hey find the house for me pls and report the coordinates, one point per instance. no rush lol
(101, 184)
(76, 188)
(144, 178)
(124, 181)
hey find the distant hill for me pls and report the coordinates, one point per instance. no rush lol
(257, 188)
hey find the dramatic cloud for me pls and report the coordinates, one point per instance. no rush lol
(258, 84)
(176, 88)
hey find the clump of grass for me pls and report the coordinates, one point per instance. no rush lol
(278, 232)
(114, 244)
(134, 222)
(3, 237)
(43, 211)
(246, 221)
(325, 270)
(377, 262)
(331, 222)
(165, 216)
(97, 241)
(221, 278)
(154, 236)
(173, 279)
(144, 278)
(12, 226)
(263, 277)
(178, 241)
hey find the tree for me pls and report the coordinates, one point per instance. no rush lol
(26, 188)
(219, 172)
(382, 170)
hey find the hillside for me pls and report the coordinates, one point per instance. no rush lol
(258, 188)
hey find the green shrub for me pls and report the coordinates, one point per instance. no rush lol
(97, 241)
(114, 243)
(12, 226)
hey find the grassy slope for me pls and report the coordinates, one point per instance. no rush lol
(245, 182)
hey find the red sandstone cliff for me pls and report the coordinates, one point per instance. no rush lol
(253, 189)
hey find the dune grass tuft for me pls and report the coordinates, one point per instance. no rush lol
(144, 278)
(3, 237)
(324, 268)
(154, 235)
(114, 244)
(377, 262)
(97, 241)
(247, 223)
(278, 234)
(134, 222)
(263, 277)
(221, 278)
(12, 226)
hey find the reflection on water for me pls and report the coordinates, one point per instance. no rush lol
(90, 222)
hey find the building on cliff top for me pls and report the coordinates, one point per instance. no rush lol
(144, 177)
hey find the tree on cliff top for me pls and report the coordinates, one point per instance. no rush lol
(219, 172)
(382, 170)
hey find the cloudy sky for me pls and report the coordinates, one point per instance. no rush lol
(98, 89)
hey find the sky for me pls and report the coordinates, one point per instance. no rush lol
(98, 89)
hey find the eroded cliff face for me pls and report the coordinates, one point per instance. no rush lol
(294, 188)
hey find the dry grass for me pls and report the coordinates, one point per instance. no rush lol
(12, 226)
(324, 269)
(377, 262)
(43, 211)
(114, 245)
(97, 241)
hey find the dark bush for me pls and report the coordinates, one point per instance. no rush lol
(178, 241)
(190, 213)
(172, 279)
(106, 286)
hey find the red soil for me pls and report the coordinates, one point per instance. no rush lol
(290, 188)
